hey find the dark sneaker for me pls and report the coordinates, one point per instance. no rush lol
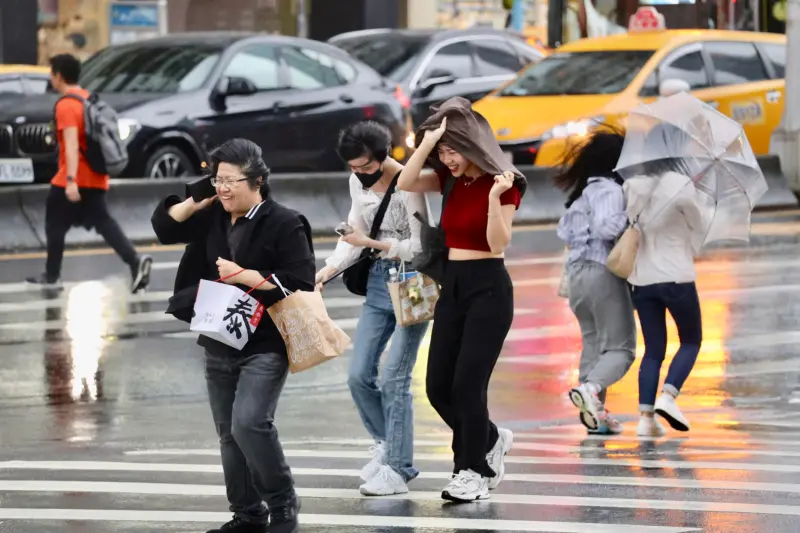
(141, 274)
(237, 525)
(43, 282)
(284, 519)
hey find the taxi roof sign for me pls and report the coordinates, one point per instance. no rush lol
(646, 18)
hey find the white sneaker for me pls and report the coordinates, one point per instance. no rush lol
(667, 408)
(650, 427)
(497, 456)
(378, 453)
(588, 402)
(384, 483)
(467, 486)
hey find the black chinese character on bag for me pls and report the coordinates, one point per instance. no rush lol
(239, 315)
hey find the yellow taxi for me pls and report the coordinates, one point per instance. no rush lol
(19, 80)
(600, 80)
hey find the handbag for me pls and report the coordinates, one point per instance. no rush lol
(431, 260)
(622, 257)
(355, 276)
(414, 297)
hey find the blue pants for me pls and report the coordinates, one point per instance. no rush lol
(386, 407)
(652, 303)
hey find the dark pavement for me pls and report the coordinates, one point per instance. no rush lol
(105, 423)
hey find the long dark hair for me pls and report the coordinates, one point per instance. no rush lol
(597, 156)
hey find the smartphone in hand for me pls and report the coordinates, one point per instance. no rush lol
(200, 189)
(343, 229)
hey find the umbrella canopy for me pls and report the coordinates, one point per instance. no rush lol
(684, 135)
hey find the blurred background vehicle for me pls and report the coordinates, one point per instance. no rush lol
(17, 81)
(434, 65)
(590, 81)
(180, 95)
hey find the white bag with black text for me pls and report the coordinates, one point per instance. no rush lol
(225, 313)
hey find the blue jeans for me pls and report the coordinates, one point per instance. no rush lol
(386, 408)
(652, 303)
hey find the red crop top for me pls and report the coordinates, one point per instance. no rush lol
(466, 214)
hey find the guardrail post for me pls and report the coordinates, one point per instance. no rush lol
(785, 141)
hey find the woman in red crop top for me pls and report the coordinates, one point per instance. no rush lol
(476, 305)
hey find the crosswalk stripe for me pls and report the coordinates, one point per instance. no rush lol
(430, 457)
(569, 479)
(468, 524)
(177, 489)
(518, 445)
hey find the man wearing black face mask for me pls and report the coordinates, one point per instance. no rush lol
(386, 410)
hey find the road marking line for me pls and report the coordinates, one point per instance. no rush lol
(571, 479)
(512, 459)
(468, 524)
(176, 489)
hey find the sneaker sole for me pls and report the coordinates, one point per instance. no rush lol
(588, 418)
(673, 422)
(143, 275)
(376, 495)
(449, 497)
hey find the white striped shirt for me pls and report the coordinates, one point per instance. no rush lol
(594, 221)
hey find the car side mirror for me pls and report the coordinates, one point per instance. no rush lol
(230, 86)
(436, 78)
(672, 86)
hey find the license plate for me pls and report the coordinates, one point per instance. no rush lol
(16, 171)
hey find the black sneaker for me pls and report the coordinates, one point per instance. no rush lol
(237, 525)
(284, 519)
(141, 274)
(43, 282)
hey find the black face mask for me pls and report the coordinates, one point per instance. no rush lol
(368, 180)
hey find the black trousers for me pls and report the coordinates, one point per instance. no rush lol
(472, 318)
(90, 212)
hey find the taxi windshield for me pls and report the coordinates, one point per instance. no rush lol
(571, 73)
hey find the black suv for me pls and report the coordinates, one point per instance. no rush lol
(181, 95)
(434, 65)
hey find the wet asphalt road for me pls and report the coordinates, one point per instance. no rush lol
(105, 425)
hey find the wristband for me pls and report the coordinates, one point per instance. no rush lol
(70, 179)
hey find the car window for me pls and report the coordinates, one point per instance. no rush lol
(569, 73)
(776, 55)
(495, 57)
(37, 85)
(149, 68)
(259, 64)
(454, 58)
(688, 67)
(11, 85)
(309, 69)
(391, 55)
(735, 63)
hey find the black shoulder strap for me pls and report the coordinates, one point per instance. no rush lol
(376, 224)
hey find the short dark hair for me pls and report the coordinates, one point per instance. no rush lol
(246, 155)
(67, 66)
(369, 138)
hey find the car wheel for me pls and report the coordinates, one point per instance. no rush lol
(169, 162)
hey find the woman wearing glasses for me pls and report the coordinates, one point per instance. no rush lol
(243, 237)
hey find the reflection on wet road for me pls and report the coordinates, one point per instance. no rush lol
(106, 426)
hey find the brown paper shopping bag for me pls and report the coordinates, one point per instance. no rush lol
(311, 337)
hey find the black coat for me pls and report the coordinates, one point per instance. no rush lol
(275, 240)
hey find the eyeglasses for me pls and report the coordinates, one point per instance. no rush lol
(229, 183)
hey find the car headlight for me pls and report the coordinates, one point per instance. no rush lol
(574, 128)
(128, 128)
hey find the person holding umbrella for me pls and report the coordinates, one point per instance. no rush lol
(690, 179)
